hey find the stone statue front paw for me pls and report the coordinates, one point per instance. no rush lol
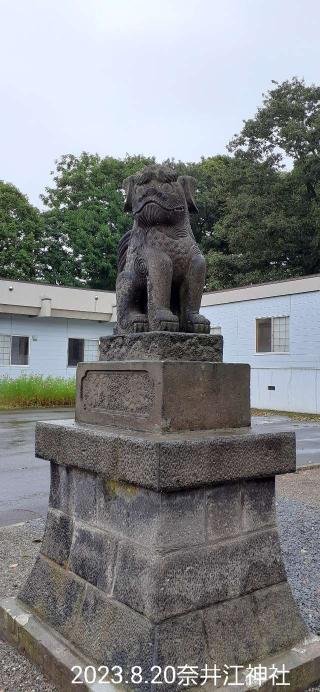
(138, 323)
(165, 321)
(197, 324)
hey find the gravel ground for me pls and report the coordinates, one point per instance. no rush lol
(300, 536)
(298, 514)
(298, 511)
(19, 546)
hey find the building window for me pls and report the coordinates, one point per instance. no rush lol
(19, 350)
(75, 352)
(80, 350)
(272, 335)
(215, 330)
(14, 350)
(91, 349)
(5, 349)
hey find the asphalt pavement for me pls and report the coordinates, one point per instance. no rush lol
(24, 480)
(307, 435)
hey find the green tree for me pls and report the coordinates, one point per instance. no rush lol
(211, 175)
(21, 229)
(287, 125)
(253, 231)
(85, 219)
(270, 229)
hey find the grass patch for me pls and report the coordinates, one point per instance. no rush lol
(291, 414)
(36, 391)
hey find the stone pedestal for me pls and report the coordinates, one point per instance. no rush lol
(163, 396)
(161, 546)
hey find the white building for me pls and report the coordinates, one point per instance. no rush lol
(47, 329)
(275, 327)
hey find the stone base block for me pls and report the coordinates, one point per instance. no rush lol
(165, 570)
(57, 656)
(166, 462)
(110, 633)
(136, 577)
(162, 346)
(163, 396)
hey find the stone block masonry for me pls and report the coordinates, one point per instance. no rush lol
(185, 547)
(172, 568)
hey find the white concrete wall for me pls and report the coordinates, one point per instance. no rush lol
(48, 345)
(27, 298)
(296, 374)
(296, 389)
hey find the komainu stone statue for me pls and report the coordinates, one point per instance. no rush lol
(161, 560)
(161, 269)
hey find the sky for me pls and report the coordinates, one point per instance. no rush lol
(170, 78)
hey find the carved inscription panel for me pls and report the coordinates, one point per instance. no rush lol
(122, 391)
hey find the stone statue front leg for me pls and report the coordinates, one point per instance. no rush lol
(191, 294)
(130, 314)
(160, 316)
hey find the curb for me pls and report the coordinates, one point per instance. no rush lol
(56, 658)
(307, 466)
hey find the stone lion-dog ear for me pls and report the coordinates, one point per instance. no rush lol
(188, 185)
(128, 188)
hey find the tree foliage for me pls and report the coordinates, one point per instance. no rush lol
(85, 219)
(21, 229)
(287, 124)
(270, 228)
